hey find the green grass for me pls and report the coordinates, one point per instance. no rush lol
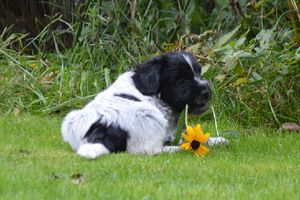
(37, 164)
(252, 59)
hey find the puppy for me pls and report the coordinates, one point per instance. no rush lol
(139, 111)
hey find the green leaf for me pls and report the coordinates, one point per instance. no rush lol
(194, 48)
(264, 37)
(180, 126)
(231, 134)
(256, 76)
(297, 54)
(106, 77)
(220, 77)
(241, 81)
(240, 42)
(224, 39)
(205, 68)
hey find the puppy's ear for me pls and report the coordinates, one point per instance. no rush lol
(146, 77)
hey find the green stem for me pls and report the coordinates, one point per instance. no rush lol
(215, 119)
(186, 114)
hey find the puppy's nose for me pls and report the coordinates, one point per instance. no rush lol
(206, 89)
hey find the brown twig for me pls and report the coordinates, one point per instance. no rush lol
(293, 7)
(132, 17)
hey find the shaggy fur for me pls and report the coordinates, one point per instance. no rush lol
(138, 112)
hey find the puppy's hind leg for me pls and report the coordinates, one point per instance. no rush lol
(102, 139)
(91, 151)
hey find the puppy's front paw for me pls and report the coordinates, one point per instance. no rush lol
(91, 151)
(171, 149)
(217, 141)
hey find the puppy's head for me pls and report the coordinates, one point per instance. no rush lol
(176, 76)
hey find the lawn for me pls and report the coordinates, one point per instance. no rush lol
(36, 164)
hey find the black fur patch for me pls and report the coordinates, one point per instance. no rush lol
(128, 96)
(171, 76)
(146, 77)
(113, 138)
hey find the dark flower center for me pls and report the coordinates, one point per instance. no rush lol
(195, 144)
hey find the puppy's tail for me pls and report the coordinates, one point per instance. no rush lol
(74, 127)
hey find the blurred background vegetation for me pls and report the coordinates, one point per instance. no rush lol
(56, 55)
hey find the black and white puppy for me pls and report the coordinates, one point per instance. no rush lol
(138, 112)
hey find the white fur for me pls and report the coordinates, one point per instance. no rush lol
(188, 60)
(91, 151)
(171, 149)
(145, 123)
(148, 122)
(217, 141)
(201, 82)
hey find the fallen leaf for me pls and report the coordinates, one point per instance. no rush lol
(47, 79)
(77, 178)
(290, 126)
(16, 112)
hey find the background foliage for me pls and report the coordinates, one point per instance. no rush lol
(248, 49)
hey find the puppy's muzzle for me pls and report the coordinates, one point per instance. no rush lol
(205, 89)
(202, 100)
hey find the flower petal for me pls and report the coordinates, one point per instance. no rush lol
(198, 129)
(202, 150)
(202, 138)
(187, 137)
(186, 146)
(190, 131)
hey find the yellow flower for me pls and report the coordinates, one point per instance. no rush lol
(195, 139)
